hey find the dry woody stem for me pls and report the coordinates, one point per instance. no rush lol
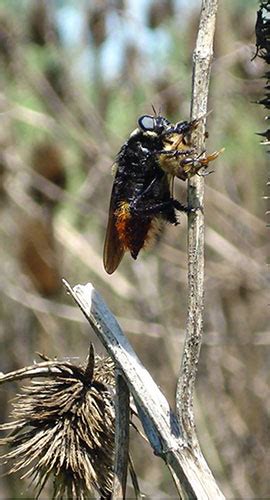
(202, 58)
(190, 472)
(122, 406)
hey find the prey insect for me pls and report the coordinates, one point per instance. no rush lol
(142, 193)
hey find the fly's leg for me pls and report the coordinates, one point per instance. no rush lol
(192, 166)
(145, 191)
(166, 208)
(173, 152)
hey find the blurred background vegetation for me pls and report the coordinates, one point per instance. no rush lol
(75, 76)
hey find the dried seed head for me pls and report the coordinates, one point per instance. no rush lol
(262, 31)
(63, 427)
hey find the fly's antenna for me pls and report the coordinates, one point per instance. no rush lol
(154, 110)
(156, 114)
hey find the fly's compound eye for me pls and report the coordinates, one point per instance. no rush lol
(147, 122)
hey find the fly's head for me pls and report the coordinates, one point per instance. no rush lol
(148, 138)
(151, 130)
(154, 125)
(170, 145)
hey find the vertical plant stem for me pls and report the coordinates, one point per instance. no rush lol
(121, 437)
(202, 58)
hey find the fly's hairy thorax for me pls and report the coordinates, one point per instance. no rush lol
(136, 166)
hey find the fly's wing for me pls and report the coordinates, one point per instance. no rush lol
(113, 247)
(167, 186)
(170, 181)
(169, 213)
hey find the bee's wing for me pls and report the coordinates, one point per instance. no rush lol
(113, 247)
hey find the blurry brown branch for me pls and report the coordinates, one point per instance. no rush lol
(202, 58)
(190, 472)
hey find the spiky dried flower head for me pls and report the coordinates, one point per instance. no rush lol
(262, 31)
(62, 427)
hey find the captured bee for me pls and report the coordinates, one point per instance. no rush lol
(142, 199)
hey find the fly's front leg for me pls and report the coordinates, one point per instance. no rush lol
(173, 152)
(191, 166)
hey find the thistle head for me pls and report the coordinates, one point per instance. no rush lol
(62, 427)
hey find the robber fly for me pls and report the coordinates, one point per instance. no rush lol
(142, 199)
